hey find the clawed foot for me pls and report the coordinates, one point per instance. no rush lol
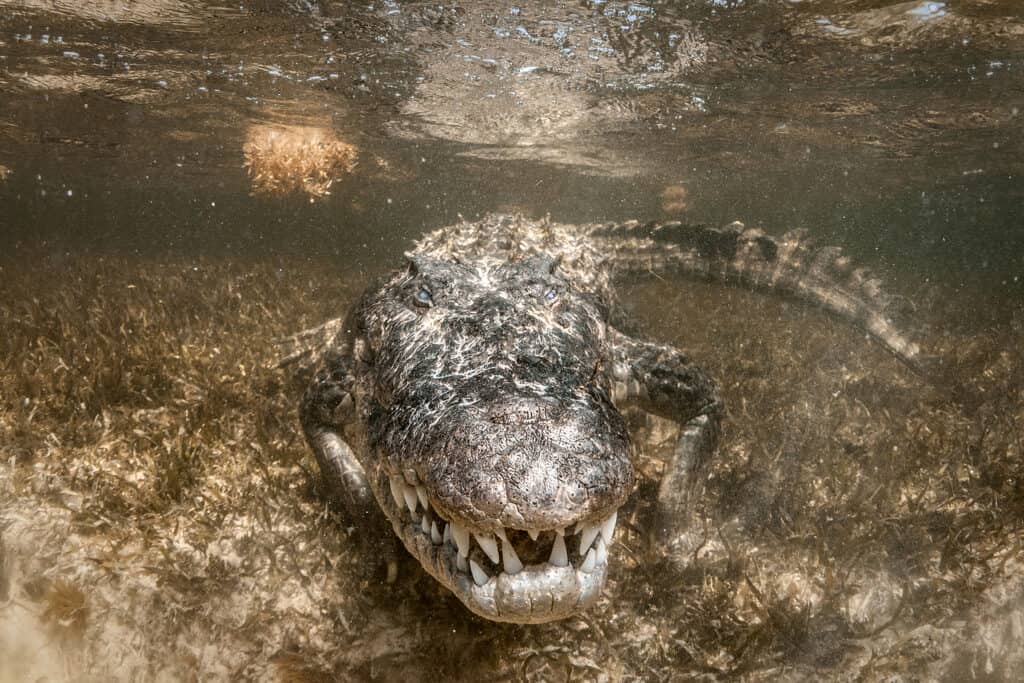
(687, 549)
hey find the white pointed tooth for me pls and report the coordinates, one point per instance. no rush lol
(460, 563)
(509, 559)
(602, 551)
(559, 555)
(425, 524)
(588, 536)
(435, 535)
(409, 493)
(479, 575)
(461, 536)
(447, 535)
(421, 494)
(533, 534)
(396, 490)
(608, 526)
(489, 546)
(590, 562)
(560, 532)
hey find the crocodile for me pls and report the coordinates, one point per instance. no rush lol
(475, 395)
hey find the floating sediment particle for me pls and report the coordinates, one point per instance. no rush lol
(287, 159)
(674, 199)
(5, 173)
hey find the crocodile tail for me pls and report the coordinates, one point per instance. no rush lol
(790, 265)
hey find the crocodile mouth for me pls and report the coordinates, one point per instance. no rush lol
(513, 575)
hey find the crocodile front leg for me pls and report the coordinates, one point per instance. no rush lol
(327, 406)
(664, 381)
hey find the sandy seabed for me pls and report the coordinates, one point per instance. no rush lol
(160, 516)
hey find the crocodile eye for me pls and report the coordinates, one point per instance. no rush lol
(550, 296)
(423, 298)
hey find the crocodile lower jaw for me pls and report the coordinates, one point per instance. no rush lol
(535, 594)
(489, 579)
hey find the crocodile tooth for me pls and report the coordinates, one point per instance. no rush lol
(602, 551)
(421, 494)
(460, 563)
(559, 555)
(589, 562)
(447, 535)
(479, 575)
(588, 536)
(608, 526)
(489, 546)
(396, 490)
(510, 561)
(409, 493)
(533, 534)
(435, 535)
(461, 536)
(424, 524)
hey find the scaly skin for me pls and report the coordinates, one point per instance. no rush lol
(474, 395)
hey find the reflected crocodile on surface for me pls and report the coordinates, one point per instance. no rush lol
(474, 396)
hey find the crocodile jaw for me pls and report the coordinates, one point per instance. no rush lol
(535, 593)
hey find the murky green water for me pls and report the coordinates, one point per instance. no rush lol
(133, 147)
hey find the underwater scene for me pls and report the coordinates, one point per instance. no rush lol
(195, 195)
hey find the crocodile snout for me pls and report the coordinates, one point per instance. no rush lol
(515, 506)
(529, 464)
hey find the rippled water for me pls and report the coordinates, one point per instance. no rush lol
(311, 141)
(894, 126)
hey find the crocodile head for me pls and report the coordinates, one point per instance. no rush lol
(494, 446)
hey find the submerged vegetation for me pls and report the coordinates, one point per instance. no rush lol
(160, 517)
(296, 160)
